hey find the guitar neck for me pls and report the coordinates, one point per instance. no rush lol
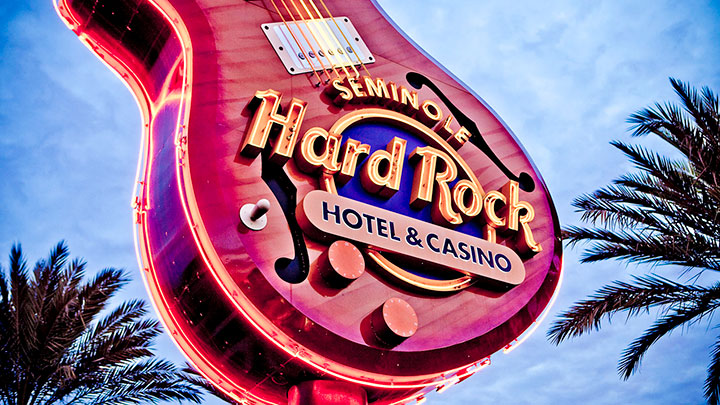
(133, 33)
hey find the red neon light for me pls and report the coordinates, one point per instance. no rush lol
(209, 256)
(133, 83)
(536, 324)
(148, 109)
(195, 227)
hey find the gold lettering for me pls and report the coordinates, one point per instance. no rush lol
(502, 210)
(352, 152)
(309, 158)
(388, 161)
(525, 241)
(409, 97)
(468, 198)
(444, 129)
(338, 93)
(408, 101)
(490, 233)
(393, 102)
(490, 208)
(267, 115)
(394, 92)
(517, 216)
(458, 139)
(429, 113)
(428, 165)
(511, 209)
(377, 91)
(356, 88)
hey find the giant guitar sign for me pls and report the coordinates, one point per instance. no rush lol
(319, 204)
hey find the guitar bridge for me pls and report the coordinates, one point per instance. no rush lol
(314, 45)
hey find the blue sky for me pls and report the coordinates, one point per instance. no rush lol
(564, 75)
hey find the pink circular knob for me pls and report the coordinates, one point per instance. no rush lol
(344, 264)
(394, 321)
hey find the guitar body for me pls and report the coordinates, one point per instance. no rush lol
(250, 308)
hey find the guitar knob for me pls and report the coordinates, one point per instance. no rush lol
(394, 321)
(253, 215)
(343, 264)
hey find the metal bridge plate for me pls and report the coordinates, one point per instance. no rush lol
(307, 45)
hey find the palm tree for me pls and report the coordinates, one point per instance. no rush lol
(666, 213)
(198, 380)
(55, 347)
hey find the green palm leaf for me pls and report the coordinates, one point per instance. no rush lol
(620, 297)
(682, 314)
(712, 382)
(56, 349)
(666, 213)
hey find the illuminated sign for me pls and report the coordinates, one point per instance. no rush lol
(441, 178)
(319, 206)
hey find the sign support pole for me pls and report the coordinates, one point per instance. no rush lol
(326, 392)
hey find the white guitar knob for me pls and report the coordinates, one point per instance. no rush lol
(253, 215)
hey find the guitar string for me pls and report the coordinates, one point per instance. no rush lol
(302, 48)
(341, 48)
(297, 25)
(346, 61)
(318, 42)
(297, 42)
(343, 35)
(315, 52)
(328, 45)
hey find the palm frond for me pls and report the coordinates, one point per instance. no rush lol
(692, 128)
(683, 314)
(120, 338)
(688, 249)
(198, 380)
(703, 113)
(146, 381)
(668, 212)
(122, 316)
(643, 294)
(692, 204)
(711, 102)
(55, 350)
(712, 382)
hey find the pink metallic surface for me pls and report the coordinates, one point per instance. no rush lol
(326, 393)
(213, 281)
(346, 260)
